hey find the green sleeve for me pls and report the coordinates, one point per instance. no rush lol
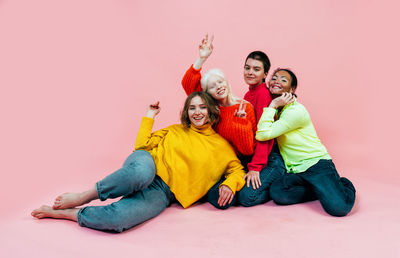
(291, 118)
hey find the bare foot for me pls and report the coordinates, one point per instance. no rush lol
(48, 212)
(72, 200)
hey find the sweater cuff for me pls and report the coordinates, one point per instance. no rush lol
(234, 185)
(194, 70)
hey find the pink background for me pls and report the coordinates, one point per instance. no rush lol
(76, 77)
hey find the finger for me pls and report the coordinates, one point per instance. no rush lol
(231, 198)
(226, 198)
(211, 40)
(240, 106)
(248, 181)
(244, 107)
(222, 198)
(253, 183)
(258, 182)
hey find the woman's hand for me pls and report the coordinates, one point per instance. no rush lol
(283, 100)
(205, 50)
(242, 110)
(253, 177)
(206, 47)
(225, 195)
(153, 110)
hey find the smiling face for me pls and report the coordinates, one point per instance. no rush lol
(254, 73)
(281, 82)
(198, 112)
(217, 87)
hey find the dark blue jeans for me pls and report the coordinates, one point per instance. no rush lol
(144, 196)
(274, 169)
(319, 182)
(248, 196)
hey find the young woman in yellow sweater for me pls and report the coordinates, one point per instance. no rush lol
(179, 163)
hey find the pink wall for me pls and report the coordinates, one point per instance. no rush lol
(76, 77)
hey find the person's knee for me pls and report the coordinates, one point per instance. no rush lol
(338, 209)
(249, 197)
(140, 173)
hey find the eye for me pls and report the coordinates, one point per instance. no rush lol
(274, 78)
(192, 108)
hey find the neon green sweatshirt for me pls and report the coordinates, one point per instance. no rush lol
(297, 139)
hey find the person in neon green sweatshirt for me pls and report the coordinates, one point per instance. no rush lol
(179, 163)
(311, 173)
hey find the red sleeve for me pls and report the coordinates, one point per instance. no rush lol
(263, 148)
(191, 80)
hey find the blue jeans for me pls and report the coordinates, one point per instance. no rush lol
(274, 169)
(145, 196)
(319, 182)
(248, 196)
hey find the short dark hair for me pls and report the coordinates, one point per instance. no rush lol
(262, 57)
(211, 104)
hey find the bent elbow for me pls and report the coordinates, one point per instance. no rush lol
(262, 136)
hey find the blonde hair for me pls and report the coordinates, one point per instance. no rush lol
(204, 80)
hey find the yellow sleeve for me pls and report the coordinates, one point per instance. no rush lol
(234, 176)
(146, 140)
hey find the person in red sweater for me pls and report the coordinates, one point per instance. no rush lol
(266, 164)
(237, 118)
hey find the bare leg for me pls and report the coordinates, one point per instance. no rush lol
(72, 200)
(49, 212)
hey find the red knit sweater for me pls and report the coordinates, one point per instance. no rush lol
(259, 97)
(239, 132)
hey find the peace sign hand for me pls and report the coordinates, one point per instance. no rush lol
(241, 112)
(206, 47)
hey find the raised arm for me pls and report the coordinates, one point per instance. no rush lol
(205, 50)
(192, 77)
(146, 140)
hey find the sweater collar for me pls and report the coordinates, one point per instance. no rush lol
(252, 89)
(205, 129)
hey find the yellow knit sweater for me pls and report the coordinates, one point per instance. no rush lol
(190, 160)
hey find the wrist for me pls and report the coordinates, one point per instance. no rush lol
(272, 105)
(150, 115)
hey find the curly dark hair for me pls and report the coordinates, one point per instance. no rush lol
(210, 102)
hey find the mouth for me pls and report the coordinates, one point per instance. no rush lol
(275, 87)
(198, 118)
(221, 92)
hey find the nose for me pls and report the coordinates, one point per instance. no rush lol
(197, 111)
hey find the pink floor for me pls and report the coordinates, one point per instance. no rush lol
(304, 230)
